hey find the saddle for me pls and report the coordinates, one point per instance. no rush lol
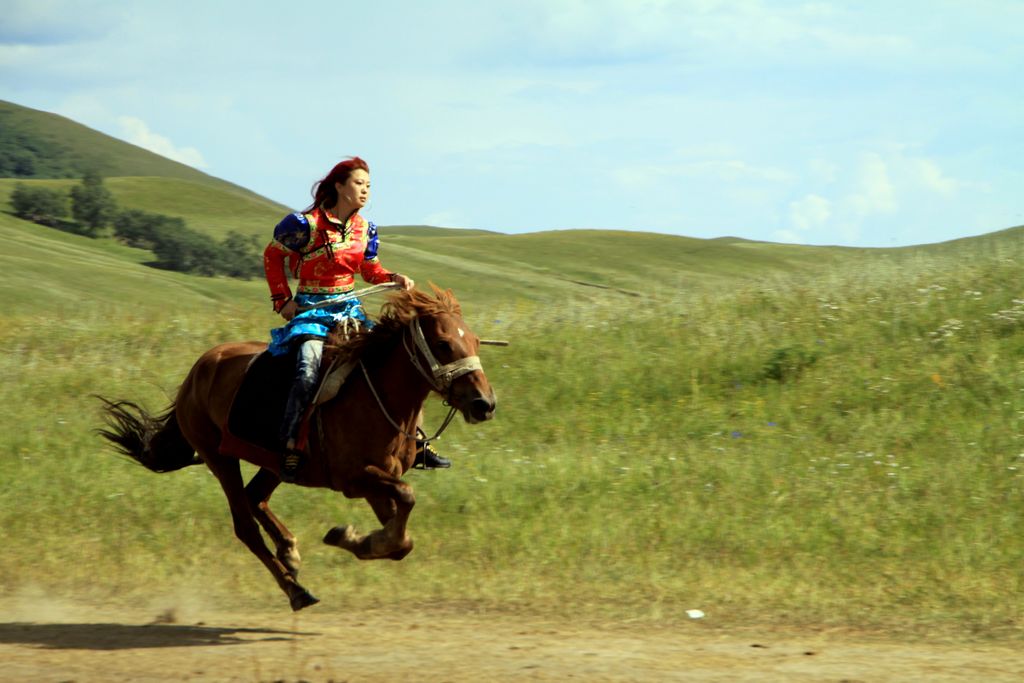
(258, 407)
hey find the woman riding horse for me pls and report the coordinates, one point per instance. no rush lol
(325, 246)
(365, 436)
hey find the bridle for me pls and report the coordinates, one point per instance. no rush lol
(440, 377)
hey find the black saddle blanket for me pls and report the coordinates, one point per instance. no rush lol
(258, 408)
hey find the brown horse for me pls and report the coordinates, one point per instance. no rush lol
(362, 441)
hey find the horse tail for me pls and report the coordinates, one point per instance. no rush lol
(155, 442)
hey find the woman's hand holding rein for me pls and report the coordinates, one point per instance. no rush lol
(289, 310)
(399, 279)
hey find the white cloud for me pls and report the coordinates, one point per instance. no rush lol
(55, 22)
(850, 232)
(17, 56)
(891, 186)
(932, 177)
(810, 212)
(446, 219)
(789, 237)
(138, 133)
(86, 109)
(728, 170)
(734, 169)
(875, 192)
(594, 32)
(887, 181)
(824, 170)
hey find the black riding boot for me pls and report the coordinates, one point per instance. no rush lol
(426, 457)
(307, 370)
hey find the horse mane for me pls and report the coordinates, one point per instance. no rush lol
(396, 314)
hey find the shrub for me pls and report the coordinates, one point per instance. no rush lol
(39, 204)
(787, 363)
(92, 204)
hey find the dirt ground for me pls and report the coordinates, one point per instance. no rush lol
(68, 643)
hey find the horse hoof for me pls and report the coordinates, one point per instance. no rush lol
(340, 536)
(303, 599)
(400, 553)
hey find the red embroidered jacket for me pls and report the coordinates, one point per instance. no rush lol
(323, 253)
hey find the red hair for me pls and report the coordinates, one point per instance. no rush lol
(324, 193)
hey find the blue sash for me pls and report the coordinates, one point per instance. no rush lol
(316, 322)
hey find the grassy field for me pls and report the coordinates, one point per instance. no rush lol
(781, 435)
(799, 447)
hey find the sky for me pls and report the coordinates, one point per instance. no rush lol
(859, 123)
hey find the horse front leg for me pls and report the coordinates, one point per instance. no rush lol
(258, 491)
(229, 475)
(392, 500)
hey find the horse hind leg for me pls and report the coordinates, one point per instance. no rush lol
(229, 473)
(392, 500)
(386, 510)
(258, 492)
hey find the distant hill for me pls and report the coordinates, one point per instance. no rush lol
(433, 231)
(556, 267)
(38, 144)
(207, 207)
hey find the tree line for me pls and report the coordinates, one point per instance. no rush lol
(95, 213)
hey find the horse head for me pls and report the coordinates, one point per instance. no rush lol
(444, 350)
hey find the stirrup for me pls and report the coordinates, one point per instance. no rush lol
(290, 465)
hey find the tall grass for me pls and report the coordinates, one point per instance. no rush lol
(829, 450)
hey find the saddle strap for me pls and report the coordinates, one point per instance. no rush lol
(333, 379)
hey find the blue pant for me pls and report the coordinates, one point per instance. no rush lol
(307, 372)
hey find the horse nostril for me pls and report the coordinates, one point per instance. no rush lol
(481, 408)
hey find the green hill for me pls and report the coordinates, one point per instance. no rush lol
(51, 146)
(46, 269)
(210, 208)
(554, 267)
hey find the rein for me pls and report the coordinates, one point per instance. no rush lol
(349, 296)
(391, 421)
(440, 377)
